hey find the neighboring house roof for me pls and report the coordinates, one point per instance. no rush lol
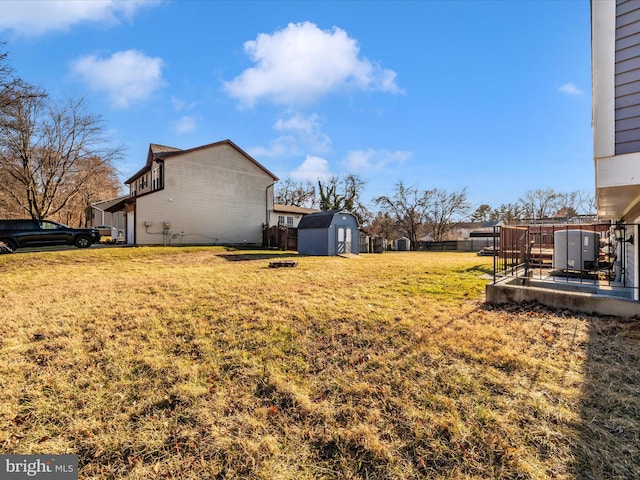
(107, 204)
(319, 219)
(477, 224)
(162, 152)
(484, 233)
(293, 209)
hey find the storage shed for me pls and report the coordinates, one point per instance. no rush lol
(334, 232)
(402, 244)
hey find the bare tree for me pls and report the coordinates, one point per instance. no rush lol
(507, 213)
(48, 152)
(13, 89)
(9, 83)
(588, 203)
(383, 226)
(102, 185)
(444, 210)
(574, 203)
(302, 194)
(408, 208)
(539, 203)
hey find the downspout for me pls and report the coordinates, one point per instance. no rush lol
(267, 213)
(266, 196)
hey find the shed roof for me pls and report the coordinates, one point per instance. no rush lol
(319, 219)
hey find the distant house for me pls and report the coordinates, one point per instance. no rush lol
(333, 232)
(288, 215)
(212, 195)
(615, 54)
(472, 230)
(464, 236)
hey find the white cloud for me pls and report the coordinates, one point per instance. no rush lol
(307, 130)
(363, 160)
(185, 124)
(301, 63)
(181, 105)
(313, 168)
(126, 77)
(301, 133)
(570, 89)
(283, 146)
(35, 17)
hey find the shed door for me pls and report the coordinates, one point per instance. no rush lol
(344, 240)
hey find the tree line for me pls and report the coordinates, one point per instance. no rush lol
(55, 159)
(433, 213)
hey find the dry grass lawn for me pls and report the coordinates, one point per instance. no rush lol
(199, 363)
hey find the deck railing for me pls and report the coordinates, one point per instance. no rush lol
(598, 254)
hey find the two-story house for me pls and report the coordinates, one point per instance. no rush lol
(615, 51)
(212, 194)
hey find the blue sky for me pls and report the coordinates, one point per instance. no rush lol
(492, 96)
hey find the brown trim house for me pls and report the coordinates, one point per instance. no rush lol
(210, 195)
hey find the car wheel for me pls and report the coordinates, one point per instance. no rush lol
(7, 246)
(82, 241)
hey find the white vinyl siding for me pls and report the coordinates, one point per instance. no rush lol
(213, 195)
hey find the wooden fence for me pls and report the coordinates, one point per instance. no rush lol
(282, 237)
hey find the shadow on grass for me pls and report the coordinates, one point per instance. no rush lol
(480, 269)
(609, 434)
(250, 256)
(606, 439)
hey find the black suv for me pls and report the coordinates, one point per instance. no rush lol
(39, 233)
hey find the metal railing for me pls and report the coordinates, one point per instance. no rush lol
(599, 254)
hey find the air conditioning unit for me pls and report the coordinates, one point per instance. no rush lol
(575, 250)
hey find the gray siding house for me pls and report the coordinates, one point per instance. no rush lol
(328, 233)
(615, 70)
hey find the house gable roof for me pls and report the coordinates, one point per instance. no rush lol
(163, 152)
(155, 149)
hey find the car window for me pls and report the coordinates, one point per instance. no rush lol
(45, 225)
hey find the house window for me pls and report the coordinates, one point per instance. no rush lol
(289, 221)
(156, 178)
(280, 219)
